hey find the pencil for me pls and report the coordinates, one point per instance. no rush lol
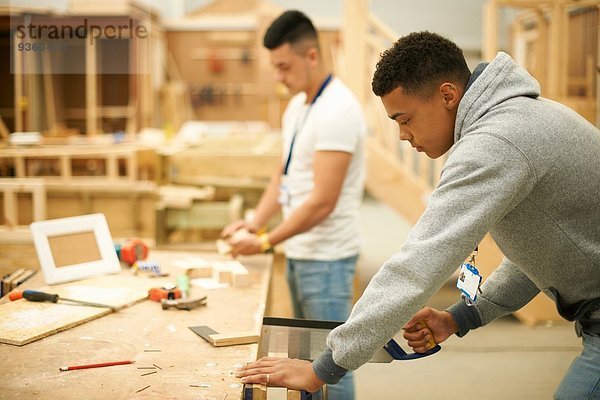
(107, 364)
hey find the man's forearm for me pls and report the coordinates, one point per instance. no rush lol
(302, 219)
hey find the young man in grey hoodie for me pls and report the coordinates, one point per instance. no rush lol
(521, 167)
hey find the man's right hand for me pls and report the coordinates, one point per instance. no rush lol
(236, 226)
(440, 326)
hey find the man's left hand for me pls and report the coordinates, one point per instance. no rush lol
(281, 372)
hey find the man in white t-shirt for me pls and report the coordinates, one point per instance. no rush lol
(318, 185)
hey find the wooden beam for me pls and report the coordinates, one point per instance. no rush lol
(4, 132)
(490, 30)
(11, 212)
(556, 76)
(48, 79)
(91, 100)
(18, 79)
(353, 37)
(20, 171)
(597, 74)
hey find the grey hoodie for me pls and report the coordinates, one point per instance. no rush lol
(525, 169)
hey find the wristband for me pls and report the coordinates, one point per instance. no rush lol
(265, 244)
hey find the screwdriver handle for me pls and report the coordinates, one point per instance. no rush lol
(33, 295)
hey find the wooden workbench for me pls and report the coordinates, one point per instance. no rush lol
(190, 367)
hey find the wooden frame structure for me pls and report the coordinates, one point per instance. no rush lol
(545, 40)
(48, 98)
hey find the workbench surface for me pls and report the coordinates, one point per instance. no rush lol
(186, 366)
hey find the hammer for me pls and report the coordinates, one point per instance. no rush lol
(183, 304)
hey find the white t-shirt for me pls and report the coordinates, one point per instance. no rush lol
(335, 122)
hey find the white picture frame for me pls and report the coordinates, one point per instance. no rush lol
(74, 248)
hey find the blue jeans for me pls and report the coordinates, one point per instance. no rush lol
(323, 290)
(582, 381)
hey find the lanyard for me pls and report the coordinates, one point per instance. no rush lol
(300, 126)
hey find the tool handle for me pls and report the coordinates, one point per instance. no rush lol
(15, 295)
(431, 342)
(397, 353)
(33, 295)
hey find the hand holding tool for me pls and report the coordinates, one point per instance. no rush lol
(431, 341)
(33, 295)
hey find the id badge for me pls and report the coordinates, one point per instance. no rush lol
(284, 195)
(468, 281)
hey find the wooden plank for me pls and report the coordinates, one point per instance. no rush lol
(11, 212)
(49, 99)
(22, 321)
(112, 168)
(234, 338)
(18, 76)
(32, 92)
(558, 35)
(65, 168)
(490, 30)
(597, 102)
(91, 100)
(20, 167)
(353, 34)
(4, 132)
(39, 203)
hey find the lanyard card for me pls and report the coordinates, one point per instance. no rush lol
(284, 195)
(468, 281)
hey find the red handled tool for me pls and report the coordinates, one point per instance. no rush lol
(132, 250)
(169, 293)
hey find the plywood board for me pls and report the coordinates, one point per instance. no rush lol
(23, 322)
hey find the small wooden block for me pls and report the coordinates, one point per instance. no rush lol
(225, 339)
(232, 272)
(231, 339)
(240, 279)
(200, 272)
(224, 276)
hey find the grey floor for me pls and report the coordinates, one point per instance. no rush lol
(504, 360)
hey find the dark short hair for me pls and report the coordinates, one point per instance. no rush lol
(418, 63)
(290, 27)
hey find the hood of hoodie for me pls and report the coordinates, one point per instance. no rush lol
(500, 80)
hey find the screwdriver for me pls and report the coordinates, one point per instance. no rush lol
(33, 295)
